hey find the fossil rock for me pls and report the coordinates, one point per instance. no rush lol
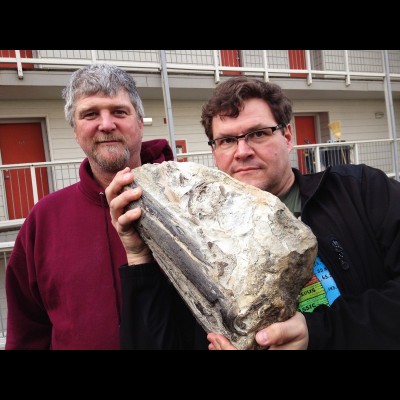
(235, 253)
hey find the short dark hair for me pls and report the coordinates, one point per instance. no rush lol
(229, 96)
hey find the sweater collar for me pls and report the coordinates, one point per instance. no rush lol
(88, 185)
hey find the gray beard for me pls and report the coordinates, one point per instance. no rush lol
(113, 164)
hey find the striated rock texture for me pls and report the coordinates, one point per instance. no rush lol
(235, 253)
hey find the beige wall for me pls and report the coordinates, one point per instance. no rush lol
(357, 118)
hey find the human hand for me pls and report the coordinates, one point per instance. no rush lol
(219, 342)
(137, 251)
(288, 335)
(291, 334)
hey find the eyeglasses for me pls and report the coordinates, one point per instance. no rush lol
(259, 136)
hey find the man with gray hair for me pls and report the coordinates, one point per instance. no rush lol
(62, 283)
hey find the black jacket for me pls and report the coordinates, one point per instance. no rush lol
(354, 211)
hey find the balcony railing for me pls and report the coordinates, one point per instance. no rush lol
(308, 64)
(22, 185)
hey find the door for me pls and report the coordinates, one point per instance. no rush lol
(305, 134)
(22, 143)
(230, 58)
(297, 60)
(181, 148)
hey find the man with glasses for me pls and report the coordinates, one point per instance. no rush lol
(353, 300)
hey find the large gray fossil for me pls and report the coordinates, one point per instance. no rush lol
(235, 253)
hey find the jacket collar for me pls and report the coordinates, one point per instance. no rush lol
(310, 183)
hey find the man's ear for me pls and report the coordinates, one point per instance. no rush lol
(289, 136)
(141, 127)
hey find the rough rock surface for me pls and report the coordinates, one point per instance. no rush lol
(236, 254)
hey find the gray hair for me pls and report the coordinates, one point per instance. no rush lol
(99, 78)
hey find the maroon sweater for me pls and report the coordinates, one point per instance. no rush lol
(62, 282)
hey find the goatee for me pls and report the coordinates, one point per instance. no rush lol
(114, 162)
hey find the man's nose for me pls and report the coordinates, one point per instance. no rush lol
(243, 147)
(106, 122)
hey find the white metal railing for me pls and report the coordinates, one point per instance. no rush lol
(378, 153)
(22, 185)
(345, 64)
(59, 174)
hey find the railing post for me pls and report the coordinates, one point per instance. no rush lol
(94, 56)
(167, 101)
(317, 159)
(308, 66)
(356, 154)
(391, 120)
(346, 66)
(217, 77)
(34, 185)
(19, 64)
(1, 314)
(265, 62)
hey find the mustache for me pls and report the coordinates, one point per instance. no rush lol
(109, 138)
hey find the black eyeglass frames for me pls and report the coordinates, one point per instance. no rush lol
(257, 136)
